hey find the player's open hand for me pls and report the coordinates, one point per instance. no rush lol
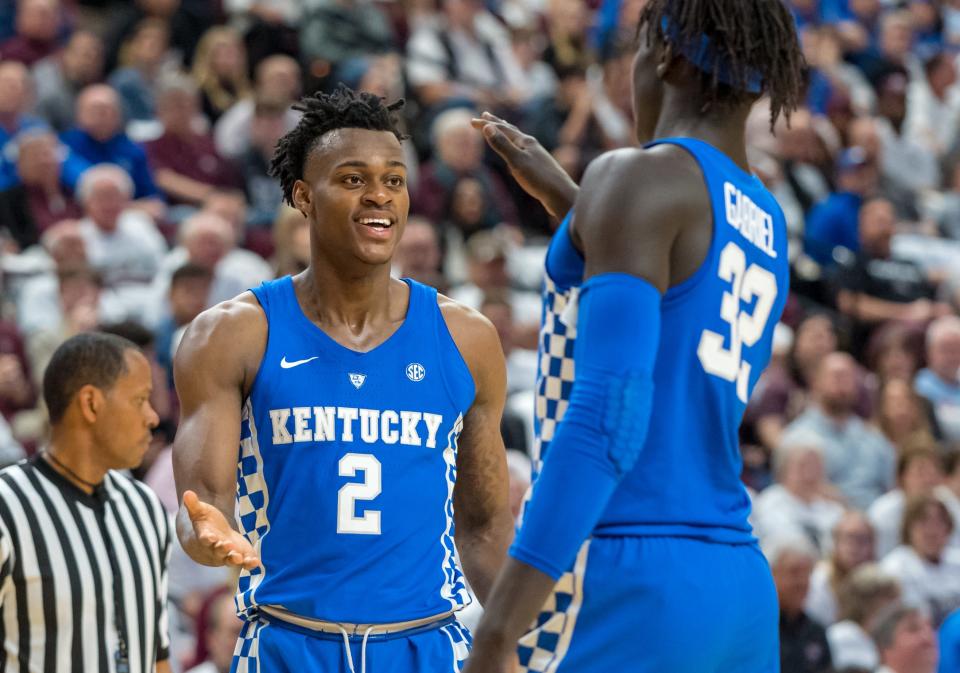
(540, 175)
(217, 536)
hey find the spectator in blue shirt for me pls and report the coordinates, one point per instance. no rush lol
(833, 222)
(14, 102)
(99, 139)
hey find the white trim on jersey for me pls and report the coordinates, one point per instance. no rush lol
(454, 588)
(249, 484)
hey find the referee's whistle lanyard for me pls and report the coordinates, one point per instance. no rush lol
(122, 655)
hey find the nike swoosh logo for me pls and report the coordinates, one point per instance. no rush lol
(296, 363)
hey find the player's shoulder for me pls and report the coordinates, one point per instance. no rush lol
(229, 333)
(467, 326)
(473, 334)
(619, 184)
(228, 321)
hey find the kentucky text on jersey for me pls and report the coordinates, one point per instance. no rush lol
(753, 223)
(352, 424)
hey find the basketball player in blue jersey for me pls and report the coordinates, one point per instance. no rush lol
(662, 291)
(340, 436)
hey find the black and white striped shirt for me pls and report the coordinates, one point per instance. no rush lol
(65, 558)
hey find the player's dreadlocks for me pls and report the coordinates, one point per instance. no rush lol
(746, 47)
(344, 108)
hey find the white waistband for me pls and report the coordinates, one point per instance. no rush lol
(351, 629)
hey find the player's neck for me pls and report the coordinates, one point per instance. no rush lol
(724, 130)
(339, 296)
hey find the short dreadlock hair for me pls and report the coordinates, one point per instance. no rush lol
(344, 108)
(749, 39)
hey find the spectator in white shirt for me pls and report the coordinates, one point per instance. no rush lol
(928, 572)
(209, 241)
(933, 105)
(276, 77)
(123, 244)
(919, 472)
(853, 544)
(906, 641)
(796, 505)
(864, 596)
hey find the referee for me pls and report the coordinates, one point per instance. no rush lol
(83, 549)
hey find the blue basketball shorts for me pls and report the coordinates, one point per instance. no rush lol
(268, 645)
(657, 604)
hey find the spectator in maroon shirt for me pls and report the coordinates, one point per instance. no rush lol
(16, 390)
(38, 22)
(186, 165)
(39, 201)
(458, 154)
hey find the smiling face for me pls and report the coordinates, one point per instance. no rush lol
(354, 193)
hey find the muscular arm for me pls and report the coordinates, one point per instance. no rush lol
(480, 498)
(214, 363)
(594, 445)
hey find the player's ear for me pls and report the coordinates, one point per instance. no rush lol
(301, 197)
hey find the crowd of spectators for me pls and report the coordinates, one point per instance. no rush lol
(135, 140)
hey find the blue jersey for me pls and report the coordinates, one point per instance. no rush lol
(347, 468)
(716, 335)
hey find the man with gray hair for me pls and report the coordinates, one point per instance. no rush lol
(796, 504)
(209, 241)
(122, 243)
(906, 641)
(939, 382)
(803, 642)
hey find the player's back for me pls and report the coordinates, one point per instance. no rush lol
(347, 468)
(715, 340)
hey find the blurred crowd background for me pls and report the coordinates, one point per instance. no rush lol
(135, 139)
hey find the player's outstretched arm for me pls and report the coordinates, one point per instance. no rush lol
(214, 365)
(534, 169)
(604, 428)
(481, 504)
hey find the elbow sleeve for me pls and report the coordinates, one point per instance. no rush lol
(604, 428)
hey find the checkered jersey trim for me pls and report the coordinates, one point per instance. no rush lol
(252, 499)
(246, 653)
(558, 336)
(543, 647)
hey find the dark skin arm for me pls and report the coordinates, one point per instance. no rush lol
(481, 507)
(213, 368)
(661, 185)
(534, 169)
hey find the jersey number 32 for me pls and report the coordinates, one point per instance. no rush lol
(746, 328)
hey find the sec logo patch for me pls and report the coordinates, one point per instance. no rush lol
(416, 371)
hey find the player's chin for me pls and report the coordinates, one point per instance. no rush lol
(377, 253)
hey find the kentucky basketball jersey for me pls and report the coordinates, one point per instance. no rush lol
(715, 340)
(347, 467)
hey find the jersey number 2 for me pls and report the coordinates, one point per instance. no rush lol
(347, 520)
(745, 328)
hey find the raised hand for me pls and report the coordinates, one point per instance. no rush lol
(534, 169)
(222, 544)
